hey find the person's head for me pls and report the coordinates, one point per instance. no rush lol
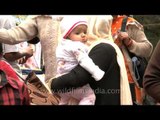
(99, 27)
(74, 28)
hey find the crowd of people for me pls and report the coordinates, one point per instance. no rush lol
(86, 58)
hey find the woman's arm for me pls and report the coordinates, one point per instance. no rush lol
(25, 31)
(75, 78)
(140, 46)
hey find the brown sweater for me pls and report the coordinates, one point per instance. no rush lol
(152, 75)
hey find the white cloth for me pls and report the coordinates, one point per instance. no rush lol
(99, 26)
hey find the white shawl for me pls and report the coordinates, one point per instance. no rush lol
(100, 30)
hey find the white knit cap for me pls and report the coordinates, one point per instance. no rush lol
(68, 23)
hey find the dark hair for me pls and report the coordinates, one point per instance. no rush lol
(34, 40)
(1, 50)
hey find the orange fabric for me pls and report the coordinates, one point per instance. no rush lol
(138, 93)
(130, 79)
(116, 26)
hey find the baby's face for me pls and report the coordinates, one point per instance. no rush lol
(79, 33)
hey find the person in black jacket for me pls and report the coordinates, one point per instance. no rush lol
(113, 88)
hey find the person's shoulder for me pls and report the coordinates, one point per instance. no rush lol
(6, 18)
(37, 16)
(79, 43)
(103, 44)
(157, 47)
(133, 22)
(32, 17)
(74, 43)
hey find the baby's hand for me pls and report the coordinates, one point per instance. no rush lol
(79, 54)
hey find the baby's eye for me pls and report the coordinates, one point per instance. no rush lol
(77, 33)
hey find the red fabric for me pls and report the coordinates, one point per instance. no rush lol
(13, 91)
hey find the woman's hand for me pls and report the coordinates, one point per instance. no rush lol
(123, 36)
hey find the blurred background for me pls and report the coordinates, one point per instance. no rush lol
(151, 24)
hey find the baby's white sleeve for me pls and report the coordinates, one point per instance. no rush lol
(87, 63)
